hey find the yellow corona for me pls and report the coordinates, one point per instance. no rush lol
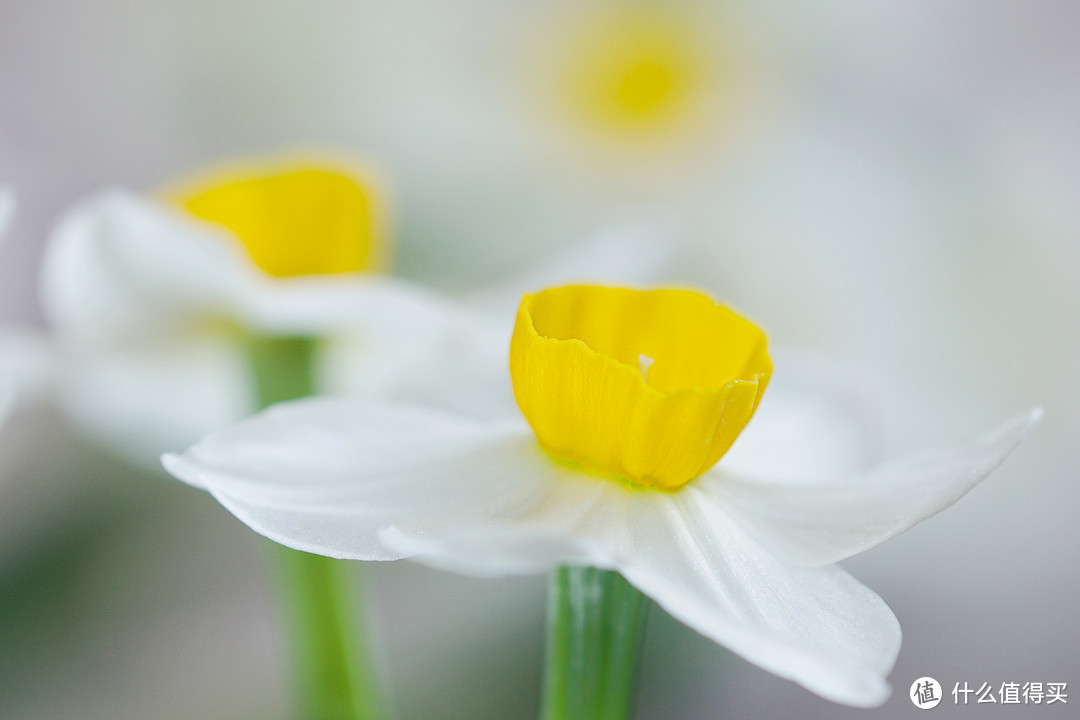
(652, 386)
(304, 218)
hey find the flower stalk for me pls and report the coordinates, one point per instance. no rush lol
(334, 672)
(595, 630)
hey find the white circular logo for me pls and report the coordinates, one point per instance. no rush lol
(925, 693)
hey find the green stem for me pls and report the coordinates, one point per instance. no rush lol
(596, 626)
(334, 678)
(334, 673)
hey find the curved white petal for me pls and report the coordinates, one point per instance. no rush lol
(143, 301)
(153, 307)
(29, 362)
(371, 481)
(818, 420)
(143, 402)
(330, 475)
(122, 269)
(823, 522)
(816, 626)
(398, 341)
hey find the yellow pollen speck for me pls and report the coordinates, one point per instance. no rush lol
(304, 218)
(653, 386)
(644, 362)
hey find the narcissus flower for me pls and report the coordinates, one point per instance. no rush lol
(630, 398)
(154, 303)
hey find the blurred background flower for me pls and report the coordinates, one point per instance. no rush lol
(895, 183)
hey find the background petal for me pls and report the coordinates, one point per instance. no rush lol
(386, 338)
(120, 268)
(143, 402)
(819, 418)
(29, 362)
(823, 522)
(154, 309)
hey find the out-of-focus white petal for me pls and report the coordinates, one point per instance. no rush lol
(818, 420)
(396, 340)
(374, 482)
(122, 269)
(153, 308)
(632, 253)
(146, 401)
(29, 362)
(824, 522)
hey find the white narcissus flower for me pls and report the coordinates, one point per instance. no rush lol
(155, 305)
(629, 398)
(151, 307)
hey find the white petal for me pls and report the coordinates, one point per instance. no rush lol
(144, 401)
(329, 476)
(398, 341)
(151, 306)
(371, 481)
(121, 269)
(818, 420)
(822, 522)
(29, 362)
(816, 626)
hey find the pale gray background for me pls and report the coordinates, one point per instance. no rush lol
(919, 215)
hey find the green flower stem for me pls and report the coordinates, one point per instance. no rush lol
(595, 629)
(334, 676)
(334, 673)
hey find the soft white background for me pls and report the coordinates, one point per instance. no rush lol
(911, 203)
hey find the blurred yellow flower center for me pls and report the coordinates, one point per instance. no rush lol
(635, 70)
(302, 219)
(653, 386)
